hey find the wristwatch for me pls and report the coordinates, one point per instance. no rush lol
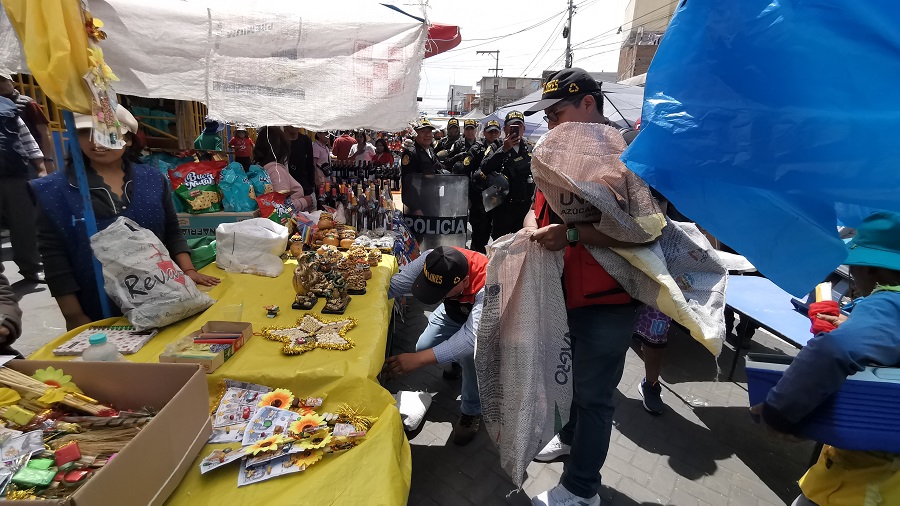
(572, 235)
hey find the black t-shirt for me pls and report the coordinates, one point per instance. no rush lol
(301, 164)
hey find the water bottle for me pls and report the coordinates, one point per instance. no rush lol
(101, 350)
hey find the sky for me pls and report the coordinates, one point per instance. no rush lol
(526, 54)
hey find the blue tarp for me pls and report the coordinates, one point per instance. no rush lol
(770, 121)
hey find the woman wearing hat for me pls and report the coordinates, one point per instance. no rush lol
(869, 336)
(118, 187)
(209, 139)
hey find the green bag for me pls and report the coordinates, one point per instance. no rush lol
(203, 250)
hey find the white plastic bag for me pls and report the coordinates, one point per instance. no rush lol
(142, 279)
(252, 247)
(412, 407)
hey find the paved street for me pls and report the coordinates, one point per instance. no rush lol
(703, 451)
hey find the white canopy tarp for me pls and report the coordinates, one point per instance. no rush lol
(269, 62)
(622, 105)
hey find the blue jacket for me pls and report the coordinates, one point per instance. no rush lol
(60, 203)
(870, 336)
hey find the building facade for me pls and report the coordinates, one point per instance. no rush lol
(456, 98)
(495, 92)
(645, 23)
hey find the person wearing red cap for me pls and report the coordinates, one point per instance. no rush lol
(455, 278)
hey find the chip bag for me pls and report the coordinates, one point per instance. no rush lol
(238, 195)
(197, 185)
(260, 180)
(276, 207)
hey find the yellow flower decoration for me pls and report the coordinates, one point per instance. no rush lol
(306, 422)
(95, 60)
(305, 459)
(278, 398)
(56, 378)
(266, 445)
(319, 439)
(8, 397)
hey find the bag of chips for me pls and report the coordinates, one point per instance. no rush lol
(238, 195)
(276, 207)
(197, 185)
(260, 180)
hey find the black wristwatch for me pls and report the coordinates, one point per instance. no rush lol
(572, 235)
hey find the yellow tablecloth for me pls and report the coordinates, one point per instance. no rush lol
(376, 472)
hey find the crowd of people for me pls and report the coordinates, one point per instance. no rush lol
(38, 203)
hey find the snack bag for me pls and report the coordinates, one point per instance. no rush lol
(260, 180)
(197, 185)
(238, 195)
(276, 207)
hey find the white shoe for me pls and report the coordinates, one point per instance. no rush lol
(560, 496)
(554, 449)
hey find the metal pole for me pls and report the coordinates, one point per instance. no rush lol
(90, 222)
(496, 70)
(569, 37)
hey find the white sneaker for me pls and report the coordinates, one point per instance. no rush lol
(560, 496)
(554, 449)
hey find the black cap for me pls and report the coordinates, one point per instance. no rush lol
(453, 123)
(445, 267)
(470, 123)
(562, 85)
(492, 124)
(513, 116)
(423, 123)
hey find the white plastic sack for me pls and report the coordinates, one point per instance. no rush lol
(412, 407)
(142, 279)
(524, 361)
(252, 246)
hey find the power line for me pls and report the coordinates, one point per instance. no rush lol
(546, 45)
(632, 22)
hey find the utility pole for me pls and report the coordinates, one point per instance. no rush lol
(496, 70)
(568, 35)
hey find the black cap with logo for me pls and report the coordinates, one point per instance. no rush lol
(564, 84)
(470, 123)
(513, 116)
(492, 124)
(423, 123)
(453, 123)
(445, 267)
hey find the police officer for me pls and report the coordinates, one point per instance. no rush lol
(452, 135)
(478, 217)
(460, 149)
(513, 160)
(419, 158)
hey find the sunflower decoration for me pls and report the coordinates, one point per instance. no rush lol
(306, 422)
(59, 382)
(98, 65)
(278, 398)
(316, 440)
(93, 27)
(8, 397)
(306, 458)
(268, 444)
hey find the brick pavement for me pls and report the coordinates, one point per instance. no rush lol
(704, 450)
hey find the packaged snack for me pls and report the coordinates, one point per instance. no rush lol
(197, 185)
(275, 206)
(260, 180)
(238, 195)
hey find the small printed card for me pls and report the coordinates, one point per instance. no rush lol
(220, 457)
(268, 421)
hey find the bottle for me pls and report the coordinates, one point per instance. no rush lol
(101, 350)
(322, 196)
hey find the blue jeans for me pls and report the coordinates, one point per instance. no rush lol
(600, 337)
(440, 328)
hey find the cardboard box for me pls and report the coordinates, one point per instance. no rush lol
(149, 468)
(194, 225)
(214, 362)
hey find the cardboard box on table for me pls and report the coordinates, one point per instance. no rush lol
(211, 364)
(152, 464)
(196, 225)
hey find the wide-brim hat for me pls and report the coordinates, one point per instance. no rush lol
(877, 242)
(126, 119)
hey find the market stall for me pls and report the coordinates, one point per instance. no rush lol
(245, 330)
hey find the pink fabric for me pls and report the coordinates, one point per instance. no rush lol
(282, 182)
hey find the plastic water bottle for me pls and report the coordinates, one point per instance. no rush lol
(101, 350)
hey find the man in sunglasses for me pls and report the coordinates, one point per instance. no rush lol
(601, 315)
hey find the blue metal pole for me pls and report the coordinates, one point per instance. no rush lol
(90, 222)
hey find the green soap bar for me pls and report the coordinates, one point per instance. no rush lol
(40, 463)
(68, 466)
(31, 477)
